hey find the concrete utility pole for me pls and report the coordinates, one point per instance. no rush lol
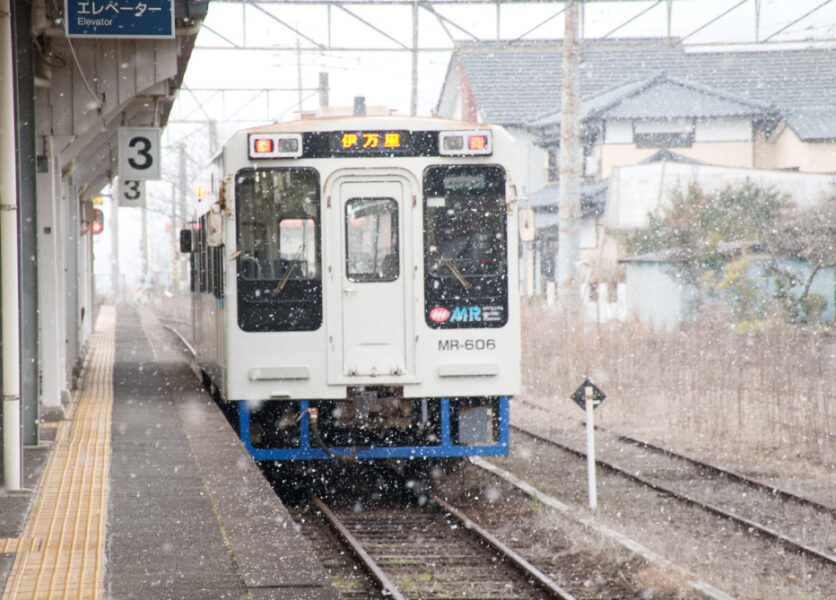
(115, 271)
(323, 90)
(183, 189)
(413, 96)
(569, 198)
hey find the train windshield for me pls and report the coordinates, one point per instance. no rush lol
(465, 243)
(278, 254)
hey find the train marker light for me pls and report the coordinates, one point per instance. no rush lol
(453, 142)
(465, 143)
(263, 146)
(287, 144)
(275, 145)
(477, 142)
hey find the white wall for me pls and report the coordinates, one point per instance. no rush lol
(655, 297)
(723, 130)
(635, 191)
(618, 132)
(530, 161)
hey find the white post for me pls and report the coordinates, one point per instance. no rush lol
(590, 447)
(50, 284)
(12, 455)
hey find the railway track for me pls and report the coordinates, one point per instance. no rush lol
(798, 524)
(719, 471)
(435, 551)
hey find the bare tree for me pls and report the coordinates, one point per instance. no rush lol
(808, 234)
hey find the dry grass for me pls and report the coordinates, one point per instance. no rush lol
(754, 393)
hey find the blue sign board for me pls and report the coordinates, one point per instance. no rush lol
(120, 18)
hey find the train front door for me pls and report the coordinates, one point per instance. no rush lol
(376, 291)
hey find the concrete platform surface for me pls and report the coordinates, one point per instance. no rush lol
(189, 514)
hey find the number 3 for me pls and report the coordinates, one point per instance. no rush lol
(143, 151)
(132, 191)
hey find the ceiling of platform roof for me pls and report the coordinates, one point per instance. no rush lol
(89, 87)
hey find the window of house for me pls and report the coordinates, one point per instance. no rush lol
(668, 133)
(552, 164)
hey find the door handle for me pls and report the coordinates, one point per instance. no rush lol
(348, 291)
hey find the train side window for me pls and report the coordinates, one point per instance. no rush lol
(218, 287)
(371, 239)
(202, 258)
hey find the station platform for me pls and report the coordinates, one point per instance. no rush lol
(146, 491)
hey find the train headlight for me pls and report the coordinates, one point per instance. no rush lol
(465, 143)
(275, 145)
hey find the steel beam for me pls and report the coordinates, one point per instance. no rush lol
(27, 217)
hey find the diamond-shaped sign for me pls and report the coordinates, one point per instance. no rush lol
(580, 394)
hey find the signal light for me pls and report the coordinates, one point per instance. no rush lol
(97, 226)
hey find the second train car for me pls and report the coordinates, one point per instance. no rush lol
(355, 287)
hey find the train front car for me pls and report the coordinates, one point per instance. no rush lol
(356, 290)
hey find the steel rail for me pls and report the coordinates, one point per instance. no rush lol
(532, 575)
(733, 475)
(529, 570)
(368, 562)
(747, 523)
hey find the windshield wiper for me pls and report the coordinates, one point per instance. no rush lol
(283, 280)
(458, 274)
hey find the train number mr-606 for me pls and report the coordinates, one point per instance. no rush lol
(469, 344)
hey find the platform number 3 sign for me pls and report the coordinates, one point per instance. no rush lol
(139, 159)
(132, 192)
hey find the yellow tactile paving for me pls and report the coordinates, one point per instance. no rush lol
(13, 545)
(61, 552)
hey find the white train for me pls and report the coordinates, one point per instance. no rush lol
(355, 287)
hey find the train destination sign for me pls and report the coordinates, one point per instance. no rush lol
(148, 19)
(359, 143)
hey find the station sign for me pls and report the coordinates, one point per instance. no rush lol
(131, 192)
(148, 19)
(139, 153)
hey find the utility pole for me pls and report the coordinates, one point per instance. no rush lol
(143, 247)
(174, 253)
(413, 96)
(183, 184)
(115, 271)
(323, 90)
(569, 195)
(298, 74)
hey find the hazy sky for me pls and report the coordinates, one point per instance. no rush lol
(384, 78)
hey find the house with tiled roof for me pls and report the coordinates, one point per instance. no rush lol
(647, 101)
(770, 109)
